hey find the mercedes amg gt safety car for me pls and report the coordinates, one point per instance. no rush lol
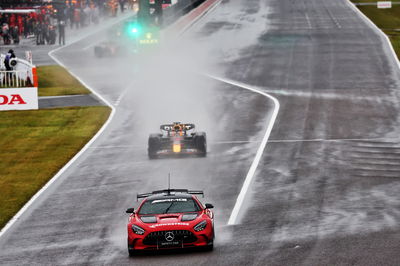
(175, 139)
(170, 219)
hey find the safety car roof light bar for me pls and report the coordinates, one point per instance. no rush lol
(168, 192)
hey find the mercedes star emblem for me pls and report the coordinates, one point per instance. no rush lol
(169, 236)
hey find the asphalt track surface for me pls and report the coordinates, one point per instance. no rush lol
(69, 101)
(326, 189)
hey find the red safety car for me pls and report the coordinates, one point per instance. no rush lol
(170, 219)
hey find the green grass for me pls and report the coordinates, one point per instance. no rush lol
(35, 145)
(394, 37)
(383, 18)
(55, 80)
(386, 19)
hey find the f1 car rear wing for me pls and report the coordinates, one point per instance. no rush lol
(169, 191)
(177, 126)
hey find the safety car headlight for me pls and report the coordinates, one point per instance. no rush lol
(200, 226)
(189, 217)
(137, 230)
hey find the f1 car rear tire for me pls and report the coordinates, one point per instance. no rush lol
(154, 146)
(201, 143)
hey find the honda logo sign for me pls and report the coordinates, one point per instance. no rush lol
(384, 4)
(19, 99)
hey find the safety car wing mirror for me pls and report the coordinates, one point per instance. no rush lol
(130, 210)
(209, 206)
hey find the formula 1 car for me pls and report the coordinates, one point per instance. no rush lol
(175, 139)
(113, 45)
(108, 49)
(170, 219)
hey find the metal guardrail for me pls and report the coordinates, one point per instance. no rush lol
(14, 79)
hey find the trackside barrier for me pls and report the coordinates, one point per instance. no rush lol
(185, 21)
(18, 87)
(179, 9)
(14, 79)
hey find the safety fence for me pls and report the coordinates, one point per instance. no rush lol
(22, 75)
(14, 79)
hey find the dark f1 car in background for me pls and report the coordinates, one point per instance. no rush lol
(128, 38)
(117, 42)
(177, 139)
(108, 49)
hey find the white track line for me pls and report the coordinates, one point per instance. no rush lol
(308, 21)
(123, 93)
(234, 142)
(323, 140)
(334, 19)
(251, 173)
(62, 96)
(372, 24)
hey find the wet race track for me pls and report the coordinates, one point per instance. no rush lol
(326, 188)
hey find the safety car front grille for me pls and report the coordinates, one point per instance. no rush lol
(182, 235)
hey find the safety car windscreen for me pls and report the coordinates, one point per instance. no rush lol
(175, 205)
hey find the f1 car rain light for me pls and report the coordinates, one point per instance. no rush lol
(176, 148)
(200, 226)
(137, 230)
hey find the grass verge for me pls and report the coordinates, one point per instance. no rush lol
(35, 145)
(55, 81)
(386, 19)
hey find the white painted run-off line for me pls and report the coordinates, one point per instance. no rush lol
(233, 219)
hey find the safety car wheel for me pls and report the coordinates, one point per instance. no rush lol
(209, 247)
(132, 252)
